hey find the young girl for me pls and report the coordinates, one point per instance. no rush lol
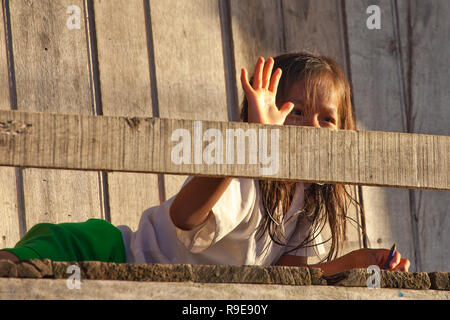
(237, 221)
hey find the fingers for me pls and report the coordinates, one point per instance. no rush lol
(403, 265)
(257, 76)
(263, 78)
(245, 83)
(398, 263)
(273, 87)
(395, 260)
(267, 73)
(286, 109)
(261, 100)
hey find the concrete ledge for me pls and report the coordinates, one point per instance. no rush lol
(388, 279)
(440, 280)
(57, 289)
(49, 280)
(94, 270)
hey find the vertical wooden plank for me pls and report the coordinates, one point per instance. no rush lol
(4, 82)
(424, 30)
(124, 76)
(269, 28)
(377, 103)
(256, 31)
(189, 64)
(52, 74)
(9, 215)
(316, 26)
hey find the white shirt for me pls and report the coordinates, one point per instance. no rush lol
(228, 236)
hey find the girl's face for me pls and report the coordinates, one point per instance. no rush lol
(323, 113)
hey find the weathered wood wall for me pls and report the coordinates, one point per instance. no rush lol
(181, 59)
(177, 146)
(399, 76)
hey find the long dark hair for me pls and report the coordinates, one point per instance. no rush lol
(324, 204)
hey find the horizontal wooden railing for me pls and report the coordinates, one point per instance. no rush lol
(209, 148)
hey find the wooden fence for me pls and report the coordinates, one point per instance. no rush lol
(176, 59)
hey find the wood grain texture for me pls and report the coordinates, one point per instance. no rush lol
(189, 64)
(48, 140)
(269, 28)
(314, 26)
(377, 97)
(424, 31)
(124, 76)
(9, 211)
(317, 26)
(52, 74)
(4, 70)
(256, 31)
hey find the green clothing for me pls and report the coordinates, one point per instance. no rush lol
(93, 240)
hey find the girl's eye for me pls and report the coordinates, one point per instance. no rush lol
(297, 112)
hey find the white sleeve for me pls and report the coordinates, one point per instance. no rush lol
(234, 205)
(311, 249)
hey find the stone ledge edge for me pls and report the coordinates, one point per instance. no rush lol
(280, 275)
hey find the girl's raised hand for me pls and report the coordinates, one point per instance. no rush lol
(261, 96)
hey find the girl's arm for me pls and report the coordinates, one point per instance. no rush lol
(328, 268)
(191, 206)
(193, 203)
(361, 258)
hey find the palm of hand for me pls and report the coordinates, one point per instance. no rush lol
(264, 109)
(261, 96)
